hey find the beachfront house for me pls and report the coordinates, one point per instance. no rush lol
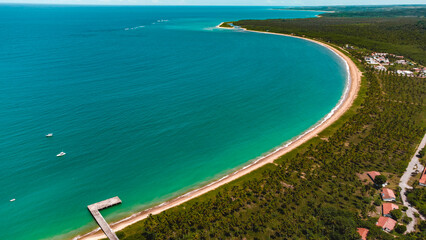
(386, 223)
(388, 195)
(387, 208)
(363, 233)
(422, 181)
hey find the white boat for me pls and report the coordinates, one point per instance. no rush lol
(49, 135)
(12, 200)
(60, 154)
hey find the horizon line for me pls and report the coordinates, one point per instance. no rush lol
(206, 5)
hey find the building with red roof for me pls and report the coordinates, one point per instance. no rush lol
(373, 174)
(363, 232)
(422, 181)
(387, 195)
(387, 208)
(386, 223)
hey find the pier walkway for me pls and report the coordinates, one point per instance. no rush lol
(94, 210)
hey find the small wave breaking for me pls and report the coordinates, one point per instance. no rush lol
(160, 21)
(133, 28)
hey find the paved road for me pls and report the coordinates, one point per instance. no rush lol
(412, 167)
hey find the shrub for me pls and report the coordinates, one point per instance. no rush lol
(377, 202)
(400, 229)
(380, 180)
(422, 226)
(406, 219)
(396, 214)
(422, 153)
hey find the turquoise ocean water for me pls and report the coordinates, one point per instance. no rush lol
(147, 102)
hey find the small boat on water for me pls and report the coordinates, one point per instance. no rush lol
(12, 200)
(49, 135)
(60, 154)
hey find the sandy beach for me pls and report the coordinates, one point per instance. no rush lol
(345, 103)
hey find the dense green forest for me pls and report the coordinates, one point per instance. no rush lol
(369, 11)
(313, 192)
(401, 36)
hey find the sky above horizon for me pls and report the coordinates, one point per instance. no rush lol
(222, 2)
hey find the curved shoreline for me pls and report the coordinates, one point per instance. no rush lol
(348, 97)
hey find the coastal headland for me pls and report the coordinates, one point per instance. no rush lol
(350, 94)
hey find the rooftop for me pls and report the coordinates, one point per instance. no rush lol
(363, 232)
(386, 223)
(423, 177)
(388, 207)
(387, 193)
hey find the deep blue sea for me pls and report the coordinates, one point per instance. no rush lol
(147, 103)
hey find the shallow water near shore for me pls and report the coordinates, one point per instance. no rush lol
(147, 102)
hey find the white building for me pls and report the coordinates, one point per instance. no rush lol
(380, 68)
(403, 62)
(370, 60)
(405, 72)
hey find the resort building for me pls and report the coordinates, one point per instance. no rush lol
(388, 195)
(379, 54)
(363, 232)
(422, 181)
(387, 208)
(383, 60)
(386, 223)
(403, 62)
(370, 60)
(380, 68)
(405, 72)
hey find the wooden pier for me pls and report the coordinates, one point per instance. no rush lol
(94, 210)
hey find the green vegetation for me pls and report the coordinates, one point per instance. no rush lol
(422, 152)
(400, 229)
(417, 198)
(380, 180)
(396, 214)
(226, 25)
(401, 36)
(370, 11)
(422, 156)
(406, 219)
(422, 226)
(314, 191)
